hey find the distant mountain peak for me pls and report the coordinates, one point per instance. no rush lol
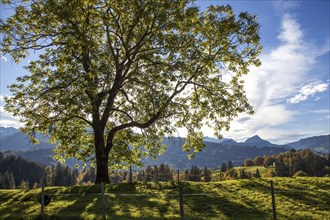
(254, 139)
(229, 141)
(7, 131)
(222, 140)
(211, 139)
(14, 140)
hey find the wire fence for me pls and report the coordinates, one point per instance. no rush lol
(166, 195)
(178, 199)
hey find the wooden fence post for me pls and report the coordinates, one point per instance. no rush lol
(103, 201)
(273, 199)
(130, 174)
(181, 202)
(42, 199)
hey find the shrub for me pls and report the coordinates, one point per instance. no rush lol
(300, 173)
(232, 173)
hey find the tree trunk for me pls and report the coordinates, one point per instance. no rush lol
(102, 158)
(102, 171)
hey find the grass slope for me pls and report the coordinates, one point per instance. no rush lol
(296, 198)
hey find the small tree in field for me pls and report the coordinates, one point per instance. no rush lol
(243, 174)
(195, 174)
(113, 77)
(257, 174)
(230, 165)
(206, 175)
(223, 167)
(24, 185)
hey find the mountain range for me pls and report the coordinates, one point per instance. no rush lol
(216, 151)
(14, 140)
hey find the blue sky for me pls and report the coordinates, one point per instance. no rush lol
(289, 92)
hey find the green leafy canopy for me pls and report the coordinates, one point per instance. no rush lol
(116, 76)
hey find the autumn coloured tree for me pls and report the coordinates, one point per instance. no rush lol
(113, 77)
(231, 174)
(258, 161)
(248, 163)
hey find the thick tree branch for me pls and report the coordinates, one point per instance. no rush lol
(154, 118)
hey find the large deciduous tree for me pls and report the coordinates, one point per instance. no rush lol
(114, 76)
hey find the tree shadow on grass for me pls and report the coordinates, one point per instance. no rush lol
(140, 207)
(300, 199)
(216, 207)
(117, 207)
(314, 204)
(19, 204)
(165, 206)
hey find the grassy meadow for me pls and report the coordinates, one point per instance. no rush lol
(296, 198)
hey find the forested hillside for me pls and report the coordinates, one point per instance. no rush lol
(17, 172)
(291, 162)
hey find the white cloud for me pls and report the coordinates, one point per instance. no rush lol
(286, 5)
(321, 111)
(307, 91)
(8, 120)
(291, 33)
(284, 69)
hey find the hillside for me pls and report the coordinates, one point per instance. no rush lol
(22, 170)
(296, 199)
(318, 144)
(45, 156)
(212, 156)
